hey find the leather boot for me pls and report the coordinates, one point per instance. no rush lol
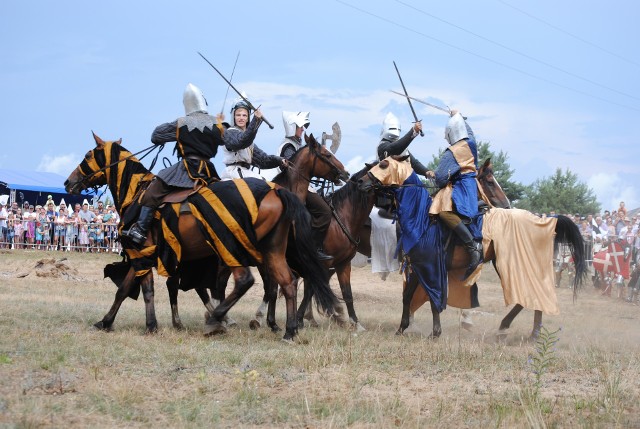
(138, 232)
(474, 248)
(318, 238)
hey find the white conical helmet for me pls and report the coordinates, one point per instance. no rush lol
(456, 129)
(291, 120)
(390, 127)
(193, 100)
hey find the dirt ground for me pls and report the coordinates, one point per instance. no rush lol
(599, 333)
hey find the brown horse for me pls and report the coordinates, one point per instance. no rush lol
(353, 207)
(312, 160)
(257, 219)
(393, 173)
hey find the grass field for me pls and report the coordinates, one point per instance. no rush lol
(57, 371)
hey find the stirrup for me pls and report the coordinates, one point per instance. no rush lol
(136, 234)
(323, 256)
(473, 264)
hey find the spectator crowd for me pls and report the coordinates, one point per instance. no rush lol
(56, 227)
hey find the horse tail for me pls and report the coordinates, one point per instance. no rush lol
(568, 233)
(315, 275)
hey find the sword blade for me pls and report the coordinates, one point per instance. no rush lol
(231, 78)
(435, 106)
(235, 89)
(407, 95)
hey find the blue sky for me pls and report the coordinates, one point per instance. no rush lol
(553, 84)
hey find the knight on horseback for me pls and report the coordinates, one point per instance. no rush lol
(456, 203)
(383, 226)
(392, 144)
(294, 125)
(197, 136)
(240, 153)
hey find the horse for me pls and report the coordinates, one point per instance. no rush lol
(311, 160)
(612, 263)
(242, 222)
(488, 186)
(350, 233)
(516, 266)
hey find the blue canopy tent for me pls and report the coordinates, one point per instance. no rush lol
(35, 187)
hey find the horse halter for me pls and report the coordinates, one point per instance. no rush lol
(334, 168)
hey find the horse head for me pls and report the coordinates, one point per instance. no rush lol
(329, 168)
(91, 171)
(391, 171)
(491, 187)
(111, 164)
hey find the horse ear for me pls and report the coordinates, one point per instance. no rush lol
(311, 140)
(119, 141)
(99, 141)
(487, 162)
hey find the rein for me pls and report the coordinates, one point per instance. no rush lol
(342, 225)
(149, 149)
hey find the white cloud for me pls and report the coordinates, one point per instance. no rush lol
(611, 188)
(60, 164)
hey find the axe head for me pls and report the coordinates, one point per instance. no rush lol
(335, 137)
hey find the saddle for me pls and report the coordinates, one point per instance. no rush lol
(180, 196)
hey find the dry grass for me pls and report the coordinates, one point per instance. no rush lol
(57, 371)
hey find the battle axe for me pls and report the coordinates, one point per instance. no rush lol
(335, 137)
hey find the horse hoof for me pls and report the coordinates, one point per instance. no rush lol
(103, 326)
(360, 328)
(230, 322)
(254, 325)
(467, 326)
(399, 332)
(276, 328)
(151, 331)
(214, 329)
(288, 341)
(502, 335)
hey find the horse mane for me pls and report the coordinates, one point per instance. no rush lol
(281, 178)
(131, 175)
(351, 192)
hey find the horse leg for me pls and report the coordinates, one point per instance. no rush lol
(506, 322)
(148, 294)
(305, 306)
(218, 294)
(343, 272)
(270, 297)
(308, 314)
(243, 280)
(466, 320)
(106, 324)
(172, 288)
(410, 288)
(537, 325)
(437, 328)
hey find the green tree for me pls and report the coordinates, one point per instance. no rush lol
(562, 193)
(501, 169)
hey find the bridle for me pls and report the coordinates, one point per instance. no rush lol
(318, 155)
(95, 170)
